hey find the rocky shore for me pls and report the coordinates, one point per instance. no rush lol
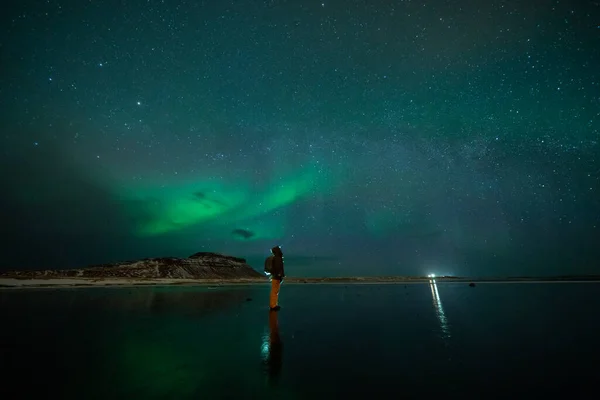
(198, 266)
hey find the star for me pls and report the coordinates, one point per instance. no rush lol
(339, 128)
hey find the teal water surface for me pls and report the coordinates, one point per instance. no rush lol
(328, 341)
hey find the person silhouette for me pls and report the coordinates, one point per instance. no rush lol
(275, 270)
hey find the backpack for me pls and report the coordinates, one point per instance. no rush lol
(269, 264)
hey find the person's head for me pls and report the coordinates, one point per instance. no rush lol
(277, 251)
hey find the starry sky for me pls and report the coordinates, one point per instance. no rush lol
(365, 137)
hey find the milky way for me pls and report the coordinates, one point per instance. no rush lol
(404, 137)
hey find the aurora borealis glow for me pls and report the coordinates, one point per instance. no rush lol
(401, 137)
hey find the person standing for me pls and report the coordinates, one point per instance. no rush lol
(274, 268)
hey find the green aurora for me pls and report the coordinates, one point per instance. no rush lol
(218, 206)
(378, 138)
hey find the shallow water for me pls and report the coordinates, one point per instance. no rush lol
(328, 341)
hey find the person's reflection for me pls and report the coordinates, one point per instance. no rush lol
(275, 349)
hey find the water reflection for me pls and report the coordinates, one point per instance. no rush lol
(195, 303)
(439, 310)
(272, 349)
(192, 301)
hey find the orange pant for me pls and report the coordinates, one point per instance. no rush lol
(275, 285)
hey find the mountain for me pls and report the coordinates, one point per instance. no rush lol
(203, 265)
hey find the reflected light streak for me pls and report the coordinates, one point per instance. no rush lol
(437, 303)
(265, 347)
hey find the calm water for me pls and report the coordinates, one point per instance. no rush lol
(328, 341)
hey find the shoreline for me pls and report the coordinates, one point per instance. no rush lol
(66, 283)
(74, 283)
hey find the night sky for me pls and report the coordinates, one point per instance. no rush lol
(365, 137)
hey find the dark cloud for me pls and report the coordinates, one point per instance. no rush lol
(243, 233)
(206, 201)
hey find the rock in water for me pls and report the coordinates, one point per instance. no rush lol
(197, 266)
(472, 284)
